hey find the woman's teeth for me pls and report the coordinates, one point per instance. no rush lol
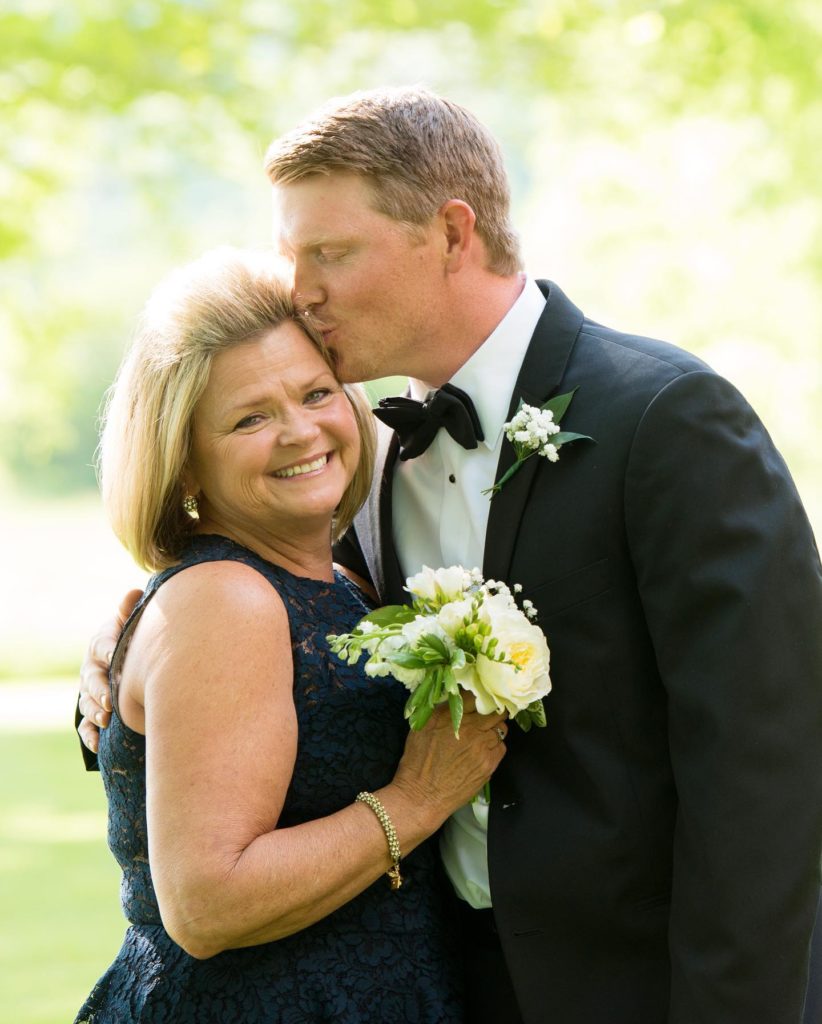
(304, 467)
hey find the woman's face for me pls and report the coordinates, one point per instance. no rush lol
(274, 438)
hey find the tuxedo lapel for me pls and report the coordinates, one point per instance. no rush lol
(539, 378)
(373, 522)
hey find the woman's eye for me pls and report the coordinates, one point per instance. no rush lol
(249, 421)
(317, 395)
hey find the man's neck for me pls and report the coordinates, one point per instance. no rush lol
(472, 321)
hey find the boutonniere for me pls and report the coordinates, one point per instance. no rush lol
(535, 430)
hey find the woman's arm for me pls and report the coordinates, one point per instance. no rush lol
(211, 661)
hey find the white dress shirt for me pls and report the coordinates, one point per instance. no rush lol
(440, 516)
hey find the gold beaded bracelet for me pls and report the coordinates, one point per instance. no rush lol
(390, 834)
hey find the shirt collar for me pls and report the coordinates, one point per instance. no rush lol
(490, 374)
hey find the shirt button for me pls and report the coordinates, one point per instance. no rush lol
(452, 478)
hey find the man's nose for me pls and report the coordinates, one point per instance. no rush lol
(308, 291)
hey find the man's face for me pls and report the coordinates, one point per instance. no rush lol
(369, 285)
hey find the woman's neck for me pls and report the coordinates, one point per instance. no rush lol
(307, 554)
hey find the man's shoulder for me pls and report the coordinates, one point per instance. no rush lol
(651, 355)
(623, 374)
(595, 349)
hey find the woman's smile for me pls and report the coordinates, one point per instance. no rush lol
(303, 468)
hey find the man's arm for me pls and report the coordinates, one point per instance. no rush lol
(94, 703)
(731, 586)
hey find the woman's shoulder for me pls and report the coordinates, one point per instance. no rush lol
(210, 588)
(224, 611)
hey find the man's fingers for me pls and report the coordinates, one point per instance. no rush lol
(127, 606)
(94, 675)
(93, 710)
(94, 670)
(89, 734)
(102, 644)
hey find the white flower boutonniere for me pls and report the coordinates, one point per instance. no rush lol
(460, 633)
(535, 430)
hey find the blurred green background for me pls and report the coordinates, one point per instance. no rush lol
(665, 160)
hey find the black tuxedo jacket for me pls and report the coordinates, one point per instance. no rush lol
(654, 852)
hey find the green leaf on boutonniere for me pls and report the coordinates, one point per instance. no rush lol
(565, 436)
(558, 404)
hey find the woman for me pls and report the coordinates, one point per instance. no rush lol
(238, 747)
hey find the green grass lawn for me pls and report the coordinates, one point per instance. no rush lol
(59, 885)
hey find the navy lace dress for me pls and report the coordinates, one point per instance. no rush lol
(384, 958)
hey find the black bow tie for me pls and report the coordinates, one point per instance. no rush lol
(417, 423)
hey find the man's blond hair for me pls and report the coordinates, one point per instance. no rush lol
(225, 298)
(417, 151)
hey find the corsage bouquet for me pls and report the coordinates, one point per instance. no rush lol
(460, 632)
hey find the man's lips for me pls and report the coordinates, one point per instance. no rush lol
(319, 325)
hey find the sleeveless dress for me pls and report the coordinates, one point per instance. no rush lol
(383, 958)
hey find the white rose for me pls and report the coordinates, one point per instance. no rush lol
(510, 687)
(438, 584)
(452, 616)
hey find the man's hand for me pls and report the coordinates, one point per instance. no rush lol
(95, 692)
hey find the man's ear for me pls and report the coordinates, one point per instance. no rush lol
(458, 220)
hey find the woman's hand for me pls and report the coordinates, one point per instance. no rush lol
(439, 773)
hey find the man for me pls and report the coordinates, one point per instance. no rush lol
(653, 853)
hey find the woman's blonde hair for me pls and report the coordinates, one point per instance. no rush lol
(220, 300)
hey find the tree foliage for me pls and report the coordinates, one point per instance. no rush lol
(133, 131)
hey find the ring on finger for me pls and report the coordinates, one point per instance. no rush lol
(500, 733)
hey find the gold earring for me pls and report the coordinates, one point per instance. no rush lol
(190, 505)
